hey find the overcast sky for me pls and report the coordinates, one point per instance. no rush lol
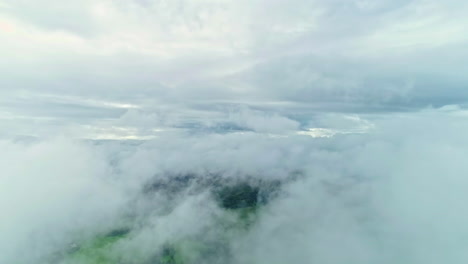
(110, 68)
(235, 88)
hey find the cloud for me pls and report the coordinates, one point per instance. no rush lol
(236, 88)
(340, 56)
(383, 196)
(49, 191)
(262, 122)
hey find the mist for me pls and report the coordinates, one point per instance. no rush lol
(233, 131)
(394, 194)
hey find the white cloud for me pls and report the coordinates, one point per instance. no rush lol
(329, 55)
(377, 197)
(237, 88)
(48, 190)
(262, 122)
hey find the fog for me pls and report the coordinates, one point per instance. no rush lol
(393, 194)
(233, 131)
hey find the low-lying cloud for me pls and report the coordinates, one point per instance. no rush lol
(394, 194)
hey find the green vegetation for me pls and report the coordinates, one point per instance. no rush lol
(99, 250)
(238, 196)
(240, 202)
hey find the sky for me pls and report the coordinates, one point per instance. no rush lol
(365, 100)
(128, 69)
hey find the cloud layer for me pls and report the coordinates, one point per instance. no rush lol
(185, 56)
(393, 195)
(358, 105)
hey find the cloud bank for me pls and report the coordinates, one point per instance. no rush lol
(393, 195)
